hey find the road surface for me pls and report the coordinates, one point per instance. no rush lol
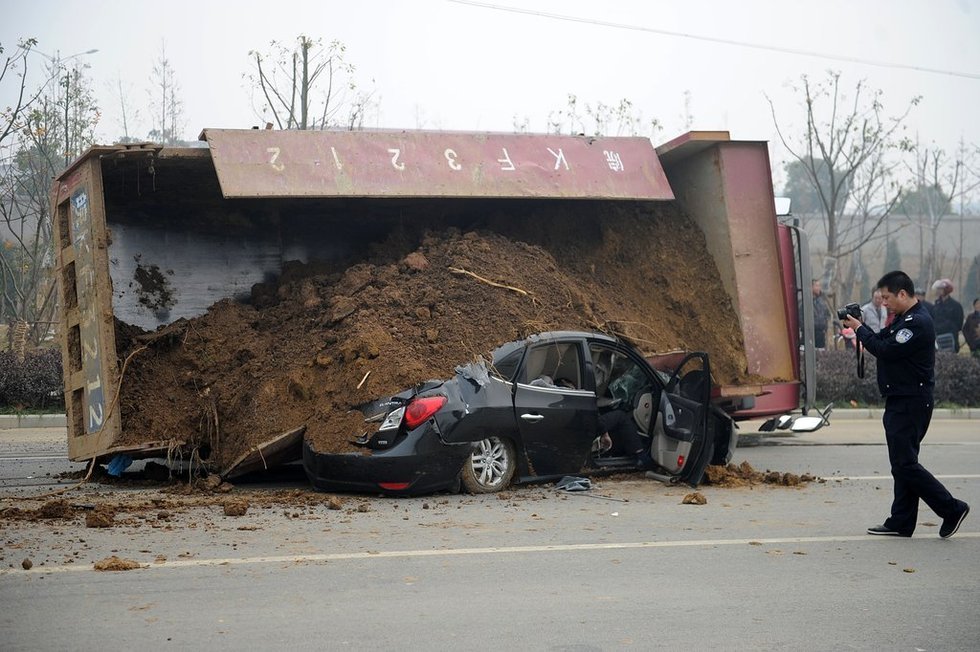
(624, 566)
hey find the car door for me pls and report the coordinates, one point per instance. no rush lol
(557, 422)
(680, 442)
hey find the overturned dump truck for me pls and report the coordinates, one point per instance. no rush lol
(223, 303)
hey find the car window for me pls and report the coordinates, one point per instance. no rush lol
(617, 376)
(506, 367)
(554, 363)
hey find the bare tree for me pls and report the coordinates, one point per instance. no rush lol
(127, 115)
(601, 119)
(166, 107)
(687, 117)
(39, 138)
(938, 181)
(843, 149)
(308, 86)
(13, 73)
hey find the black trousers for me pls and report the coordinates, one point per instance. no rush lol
(622, 430)
(820, 338)
(906, 420)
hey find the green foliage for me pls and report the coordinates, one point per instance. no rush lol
(34, 383)
(971, 284)
(924, 200)
(804, 190)
(957, 380)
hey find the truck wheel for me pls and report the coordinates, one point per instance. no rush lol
(490, 467)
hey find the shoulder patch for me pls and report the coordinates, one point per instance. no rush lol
(903, 336)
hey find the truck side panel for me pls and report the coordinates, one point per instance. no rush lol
(726, 188)
(88, 346)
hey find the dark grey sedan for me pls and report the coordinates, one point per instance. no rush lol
(536, 412)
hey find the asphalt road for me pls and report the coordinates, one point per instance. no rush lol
(623, 566)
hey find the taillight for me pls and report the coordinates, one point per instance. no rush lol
(680, 461)
(421, 410)
(394, 486)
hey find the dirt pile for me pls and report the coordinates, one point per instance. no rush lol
(114, 563)
(744, 475)
(310, 347)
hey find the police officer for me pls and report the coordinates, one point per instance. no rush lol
(906, 354)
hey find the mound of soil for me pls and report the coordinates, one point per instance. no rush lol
(114, 563)
(744, 475)
(308, 349)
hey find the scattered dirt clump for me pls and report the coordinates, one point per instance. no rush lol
(59, 508)
(27, 564)
(317, 343)
(115, 563)
(743, 475)
(236, 507)
(100, 518)
(694, 498)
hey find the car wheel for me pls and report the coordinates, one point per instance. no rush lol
(490, 467)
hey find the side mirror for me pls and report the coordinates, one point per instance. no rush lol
(809, 424)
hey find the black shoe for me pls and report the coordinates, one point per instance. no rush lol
(882, 531)
(952, 524)
(643, 461)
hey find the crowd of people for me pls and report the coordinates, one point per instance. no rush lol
(947, 315)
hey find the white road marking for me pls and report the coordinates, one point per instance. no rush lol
(454, 552)
(888, 477)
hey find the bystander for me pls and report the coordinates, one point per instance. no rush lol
(873, 314)
(821, 315)
(947, 314)
(971, 329)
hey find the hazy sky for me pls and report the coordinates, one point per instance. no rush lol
(439, 64)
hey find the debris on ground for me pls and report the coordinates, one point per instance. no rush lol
(695, 498)
(236, 507)
(743, 475)
(99, 518)
(59, 508)
(573, 483)
(114, 563)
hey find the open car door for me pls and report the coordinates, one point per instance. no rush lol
(680, 442)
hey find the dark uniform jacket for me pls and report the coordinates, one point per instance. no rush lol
(906, 353)
(947, 314)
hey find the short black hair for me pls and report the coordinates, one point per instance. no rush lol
(896, 281)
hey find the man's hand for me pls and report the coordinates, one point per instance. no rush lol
(851, 322)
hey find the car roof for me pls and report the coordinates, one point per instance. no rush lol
(506, 349)
(564, 335)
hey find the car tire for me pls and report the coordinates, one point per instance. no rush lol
(490, 467)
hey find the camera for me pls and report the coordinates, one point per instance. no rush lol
(852, 309)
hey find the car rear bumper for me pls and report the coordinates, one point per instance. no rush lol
(405, 469)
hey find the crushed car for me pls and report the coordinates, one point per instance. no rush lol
(532, 413)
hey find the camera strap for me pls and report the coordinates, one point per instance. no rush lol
(859, 354)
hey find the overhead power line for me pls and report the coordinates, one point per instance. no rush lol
(713, 39)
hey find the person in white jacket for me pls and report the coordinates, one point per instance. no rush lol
(873, 313)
